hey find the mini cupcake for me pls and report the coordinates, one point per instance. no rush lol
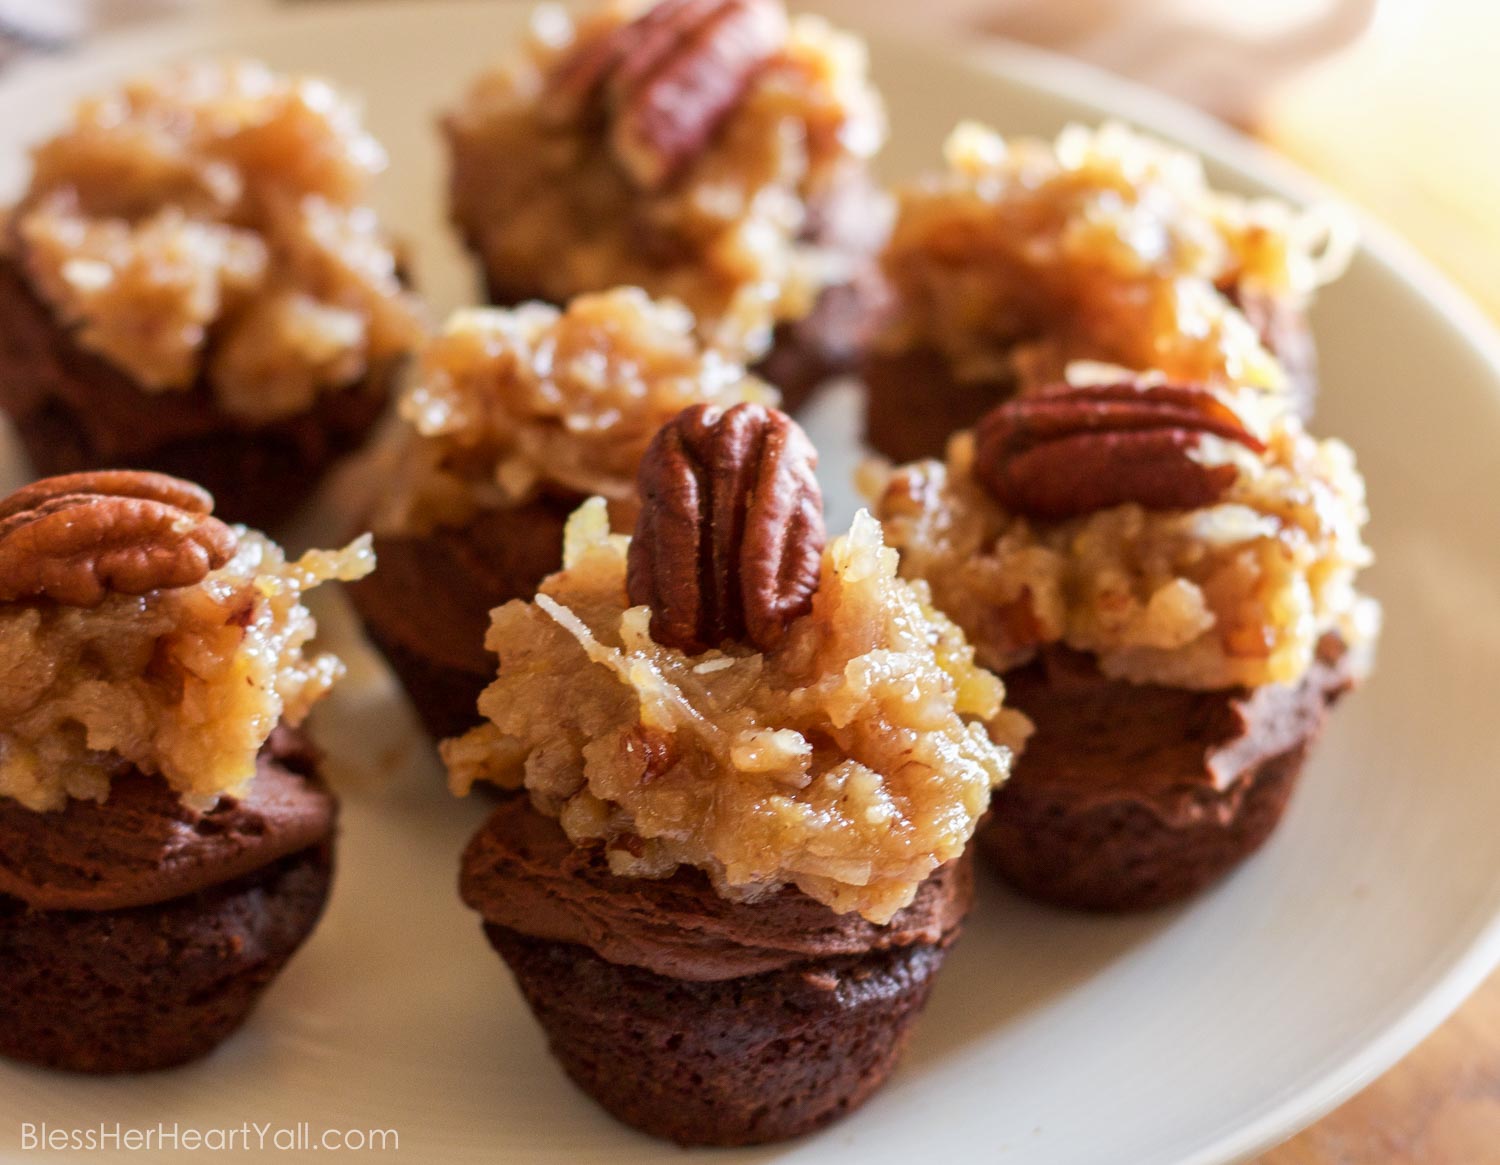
(193, 284)
(515, 418)
(165, 841)
(713, 151)
(1164, 575)
(752, 765)
(1104, 246)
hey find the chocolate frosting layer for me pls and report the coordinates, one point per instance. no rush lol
(1179, 753)
(143, 846)
(520, 871)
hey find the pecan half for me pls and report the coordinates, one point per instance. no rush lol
(730, 538)
(667, 80)
(77, 538)
(1069, 451)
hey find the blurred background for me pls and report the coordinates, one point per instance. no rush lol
(1393, 103)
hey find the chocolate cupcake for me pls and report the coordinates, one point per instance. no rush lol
(515, 417)
(193, 284)
(1024, 257)
(165, 840)
(751, 767)
(1165, 577)
(713, 151)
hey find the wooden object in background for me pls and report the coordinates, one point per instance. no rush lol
(1439, 1106)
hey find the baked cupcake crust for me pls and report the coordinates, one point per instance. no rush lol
(428, 606)
(1132, 796)
(151, 987)
(693, 1018)
(150, 944)
(731, 1062)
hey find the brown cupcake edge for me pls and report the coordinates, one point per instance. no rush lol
(694, 1018)
(151, 987)
(1152, 832)
(913, 404)
(1120, 857)
(730, 1062)
(520, 871)
(427, 609)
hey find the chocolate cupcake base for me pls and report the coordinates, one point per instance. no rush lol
(1130, 797)
(152, 986)
(730, 1062)
(808, 354)
(692, 1017)
(76, 411)
(138, 933)
(913, 404)
(445, 696)
(1121, 857)
(427, 609)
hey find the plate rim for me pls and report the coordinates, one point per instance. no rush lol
(1056, 77)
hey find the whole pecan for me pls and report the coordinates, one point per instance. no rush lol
(730, 537)
(666, 81)
(1068, 451)
(77, 538)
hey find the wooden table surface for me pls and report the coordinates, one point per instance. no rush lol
(1439, 1106)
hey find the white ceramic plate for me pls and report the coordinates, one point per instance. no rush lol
(1195, 1035)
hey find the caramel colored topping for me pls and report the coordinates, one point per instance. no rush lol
(536, 401)
(1237, 590)
(102, 672)
(693, 148)
(1023, 256)
(208, 225)
(850, 760)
